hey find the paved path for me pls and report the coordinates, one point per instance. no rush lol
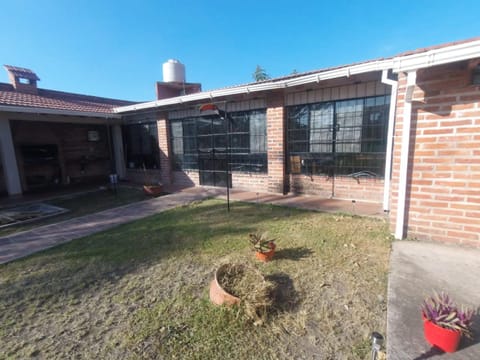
(416, 269)
(28, 242)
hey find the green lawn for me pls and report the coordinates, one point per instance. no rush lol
(140, 291)
(82, 204)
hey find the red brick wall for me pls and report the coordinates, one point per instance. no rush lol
(164, 147)
(250, 181)
(275, 143)
(443, 191)
(244, 181)
(344, 187)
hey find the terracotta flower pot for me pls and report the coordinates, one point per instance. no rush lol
(266, 256)
(218, 295)
(153, 190)
(445, 339)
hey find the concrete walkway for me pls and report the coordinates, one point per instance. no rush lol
(416, 269)
(28, 242)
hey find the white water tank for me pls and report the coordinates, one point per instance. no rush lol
(173, 71)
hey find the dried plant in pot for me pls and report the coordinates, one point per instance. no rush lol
(263, 246)
(239, 284)
(444, 322)
(150, 186)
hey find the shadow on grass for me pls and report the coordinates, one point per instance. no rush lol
(285, 297)
(83, 265)
(296, 253)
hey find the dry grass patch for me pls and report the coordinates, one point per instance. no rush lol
(141, 290)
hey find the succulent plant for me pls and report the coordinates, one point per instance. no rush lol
(261, 242)
(442, 311)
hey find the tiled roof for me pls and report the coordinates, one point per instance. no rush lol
(58, 100)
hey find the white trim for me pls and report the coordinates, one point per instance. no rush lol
(444, 55)
(404, 154)
(39, 110)
(390, 132)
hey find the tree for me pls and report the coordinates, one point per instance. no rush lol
(260, 74)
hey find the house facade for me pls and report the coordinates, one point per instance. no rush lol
(402, 131)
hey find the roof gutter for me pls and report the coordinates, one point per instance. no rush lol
(390, 131)
(37, 110)
(404, 155)
(401, 63)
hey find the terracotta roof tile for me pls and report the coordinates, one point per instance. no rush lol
(51, 99)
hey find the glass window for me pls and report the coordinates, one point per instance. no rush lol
(247, 134)
(341, 137)
(141, 146)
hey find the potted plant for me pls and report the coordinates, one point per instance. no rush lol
(151, 187)
(263, 246)
(236, 284)
(444, 322)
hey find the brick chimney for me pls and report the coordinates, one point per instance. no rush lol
(23, 80)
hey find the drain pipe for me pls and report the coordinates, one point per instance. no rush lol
(391, 127)
(405, 151)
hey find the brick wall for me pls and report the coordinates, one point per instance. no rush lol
(164, 147)
(443, 191)
(344, 187)
(275, 143)
(244, 181)
(185, 178)
(250, 181)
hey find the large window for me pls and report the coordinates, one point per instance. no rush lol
(346, 137)
(141, 146)
(247, 134)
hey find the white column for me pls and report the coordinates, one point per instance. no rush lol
(118, 151)
(404, 155)
(8, 158)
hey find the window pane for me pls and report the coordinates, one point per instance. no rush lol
(340, 137)
(141, 145)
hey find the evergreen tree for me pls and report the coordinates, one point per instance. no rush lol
(260, 74)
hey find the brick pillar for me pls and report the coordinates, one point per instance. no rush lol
(276, 143)
(164, 148)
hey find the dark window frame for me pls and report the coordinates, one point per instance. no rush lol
(350, 141)
(141, 152)
(243, 139)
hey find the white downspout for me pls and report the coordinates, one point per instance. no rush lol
(402, 183)
(391, 127)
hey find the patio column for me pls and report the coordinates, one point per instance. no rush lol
(275, 143)
(164, 148)
(8, 158)
(118, 151)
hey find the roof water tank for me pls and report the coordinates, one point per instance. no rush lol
(173, 71)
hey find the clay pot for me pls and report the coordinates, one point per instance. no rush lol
(218, 295)
(153, 190)
(266, 256)
(445, 339)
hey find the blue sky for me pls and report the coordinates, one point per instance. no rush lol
(116, 48)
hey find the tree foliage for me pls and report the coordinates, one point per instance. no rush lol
(260, 74)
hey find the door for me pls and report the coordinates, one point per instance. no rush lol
(212, 151)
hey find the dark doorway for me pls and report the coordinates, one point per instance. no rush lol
(212, 151)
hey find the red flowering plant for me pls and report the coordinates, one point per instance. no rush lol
(442, 311)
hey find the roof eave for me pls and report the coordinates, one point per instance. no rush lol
(402, 63)
(39, 110)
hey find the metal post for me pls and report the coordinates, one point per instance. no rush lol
(377, 342)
